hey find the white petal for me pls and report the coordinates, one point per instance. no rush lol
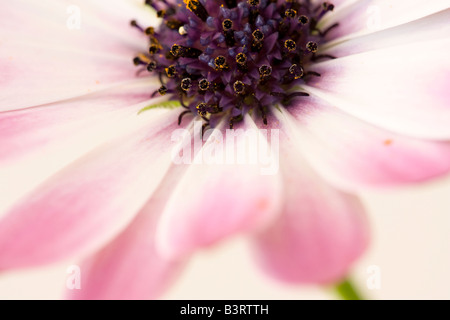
(43, 59)
(403, 89)
(428, 28)
(366, 16)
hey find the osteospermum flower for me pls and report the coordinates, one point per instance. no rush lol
(356, 89)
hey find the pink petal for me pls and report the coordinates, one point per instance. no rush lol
(130, 267)
(42, 60)
(366, 16)
(32, 130)
(87, 203)
(37, 142)
(354, 154)
(213, 201)
(320, 233)
(401, 88)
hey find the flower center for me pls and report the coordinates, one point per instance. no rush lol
(225, 58)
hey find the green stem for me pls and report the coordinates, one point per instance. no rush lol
(346, 291)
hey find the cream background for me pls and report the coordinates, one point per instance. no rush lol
(411, 236)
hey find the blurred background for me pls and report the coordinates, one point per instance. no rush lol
(410, 249)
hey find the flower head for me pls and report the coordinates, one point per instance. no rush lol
(225, 59)
(87, 174)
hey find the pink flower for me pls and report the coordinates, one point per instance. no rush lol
(83, 175)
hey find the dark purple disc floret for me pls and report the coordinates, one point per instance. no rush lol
(224, 58)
